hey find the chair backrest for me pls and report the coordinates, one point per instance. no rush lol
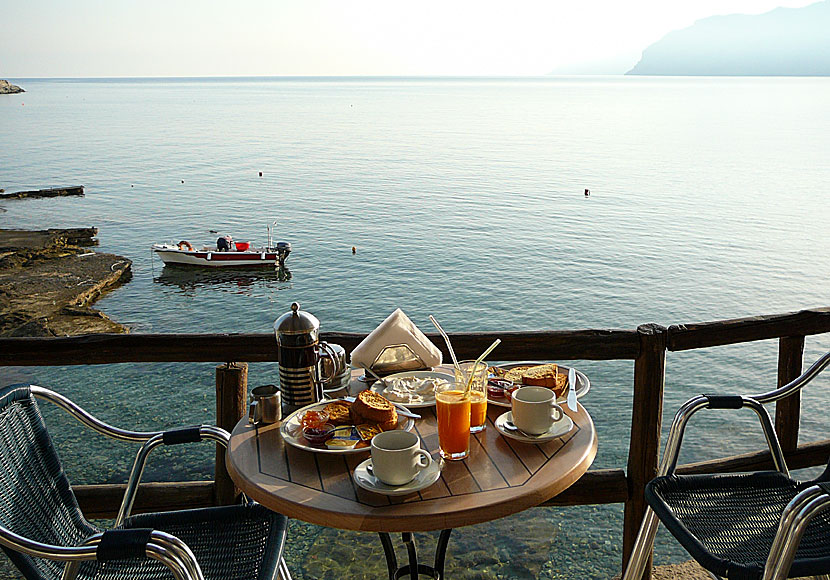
(36, 500)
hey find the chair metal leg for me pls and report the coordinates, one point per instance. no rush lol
(283, 571)
(797, 515)
(642, 546)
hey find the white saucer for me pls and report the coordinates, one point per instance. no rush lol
(424, 479)
(559, 428)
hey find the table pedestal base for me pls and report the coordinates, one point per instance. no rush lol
(414, 569)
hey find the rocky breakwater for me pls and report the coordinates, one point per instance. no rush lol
(6, 88)
(48, 279)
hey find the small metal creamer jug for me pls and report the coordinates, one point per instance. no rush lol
(299, 348)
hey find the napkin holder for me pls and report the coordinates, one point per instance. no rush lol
(395, 358)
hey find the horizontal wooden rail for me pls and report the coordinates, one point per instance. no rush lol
(806, 455)
(721, 332)
(218, 348)
(102, 500)
(597, 486)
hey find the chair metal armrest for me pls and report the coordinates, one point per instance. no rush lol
(668, 464)
(89, 420)
(794, 520)
(756, 402)
(167, 549)
(172, 437)
(797, 383)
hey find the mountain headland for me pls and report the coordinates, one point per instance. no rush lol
(782, 42)
(6, 88)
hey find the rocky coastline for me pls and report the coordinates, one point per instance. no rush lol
(6, 88)
(41, 193)
(49, 279)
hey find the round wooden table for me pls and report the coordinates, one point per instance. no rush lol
(500, 477)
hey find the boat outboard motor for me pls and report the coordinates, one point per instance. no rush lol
(283, 249)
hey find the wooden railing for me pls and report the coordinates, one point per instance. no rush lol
(646, 346)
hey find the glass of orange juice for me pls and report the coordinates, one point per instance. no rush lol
(453, 410)
(478, 391)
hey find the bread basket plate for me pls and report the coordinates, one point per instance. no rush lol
(583, 385)
(429, 401)
(291, 432)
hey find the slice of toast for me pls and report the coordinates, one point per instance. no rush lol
(515, 374)
(338, 413)
(373, 407)
(546, 376)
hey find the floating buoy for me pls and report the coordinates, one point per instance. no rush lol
(354, 250)
(587, 192)
(182, 180)
(260, 173)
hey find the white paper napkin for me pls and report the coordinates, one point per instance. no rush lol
(396, 329)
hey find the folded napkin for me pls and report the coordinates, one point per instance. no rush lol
(396, 330)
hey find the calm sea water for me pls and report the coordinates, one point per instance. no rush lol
(464, 199)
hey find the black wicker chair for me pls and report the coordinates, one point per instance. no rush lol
(46, 536)
(740, 526)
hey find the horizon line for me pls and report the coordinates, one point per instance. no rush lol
(426, 76)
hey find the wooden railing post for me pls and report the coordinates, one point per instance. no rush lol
(646, 418)
(788, 410)
(231, 394)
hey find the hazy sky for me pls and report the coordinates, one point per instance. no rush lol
(102, 38)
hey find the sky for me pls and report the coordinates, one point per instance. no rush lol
(164, 38)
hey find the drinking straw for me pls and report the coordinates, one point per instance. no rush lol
(447, 340)
(475, 364)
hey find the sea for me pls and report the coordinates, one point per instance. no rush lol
(463, 198)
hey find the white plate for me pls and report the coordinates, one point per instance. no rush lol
(559, 428)
(427, 402)
(583, 385)
(424, 479)
(292, 432)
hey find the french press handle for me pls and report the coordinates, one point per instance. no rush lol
(325, 346)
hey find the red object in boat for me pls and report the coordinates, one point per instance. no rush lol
(242, 246)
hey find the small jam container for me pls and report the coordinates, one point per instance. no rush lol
(499, 388)
(318, 434)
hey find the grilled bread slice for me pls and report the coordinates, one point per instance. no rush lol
(515, 374)
(338, 413)
(546, 376)
(373, 407)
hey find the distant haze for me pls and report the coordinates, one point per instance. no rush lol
(783, 42)
(119, 38)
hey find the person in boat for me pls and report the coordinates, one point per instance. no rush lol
(224, 244)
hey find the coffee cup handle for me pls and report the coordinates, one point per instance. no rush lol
(556, 412)
(421, 457)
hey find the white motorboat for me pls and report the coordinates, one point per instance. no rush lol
(225, 253)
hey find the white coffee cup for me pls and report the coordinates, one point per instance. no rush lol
(397, 457)
(535, 409)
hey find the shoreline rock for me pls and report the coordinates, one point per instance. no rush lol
(49, 192)
(6, 88)
(48, 281)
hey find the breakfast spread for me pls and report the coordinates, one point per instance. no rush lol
(411, 390)
(340, 425)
